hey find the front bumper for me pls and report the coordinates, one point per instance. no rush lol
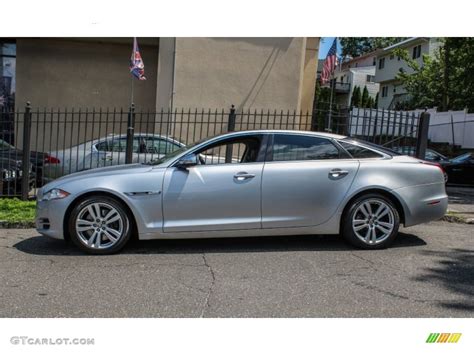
(50, 217)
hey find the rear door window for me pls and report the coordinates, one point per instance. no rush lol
(299, 147)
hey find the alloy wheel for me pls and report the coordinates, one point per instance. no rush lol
(99, 225)
(373, 221)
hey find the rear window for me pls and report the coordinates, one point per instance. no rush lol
(359, 152)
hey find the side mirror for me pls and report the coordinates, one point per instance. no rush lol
(187, 161)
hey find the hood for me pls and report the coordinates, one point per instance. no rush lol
(99, 172)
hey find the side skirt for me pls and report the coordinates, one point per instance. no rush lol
(330, 227)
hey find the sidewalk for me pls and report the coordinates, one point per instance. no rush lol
(461, 204)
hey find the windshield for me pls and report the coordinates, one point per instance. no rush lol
(5, 146)
(461, 158)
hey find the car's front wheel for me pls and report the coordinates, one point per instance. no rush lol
(371, 222)
(99, 225)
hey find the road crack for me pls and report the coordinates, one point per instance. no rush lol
(206, 305)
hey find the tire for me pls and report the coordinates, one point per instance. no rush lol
(360, 222)
(104, 234)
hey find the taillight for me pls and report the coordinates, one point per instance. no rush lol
(437, 165)
(51, 160)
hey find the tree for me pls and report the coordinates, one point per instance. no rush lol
(357, 46)
(356, 97)
(445, 80)
(370, 102)
(320, 105)
(376, 101)
(365, 97)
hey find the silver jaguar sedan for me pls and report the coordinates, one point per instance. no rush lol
(250, 183)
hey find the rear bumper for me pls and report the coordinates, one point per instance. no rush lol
(423, 203)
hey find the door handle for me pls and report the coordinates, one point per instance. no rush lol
(243, 176)
(336, 173)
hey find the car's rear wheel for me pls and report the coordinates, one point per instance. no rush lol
(371, 222)
(99, 225)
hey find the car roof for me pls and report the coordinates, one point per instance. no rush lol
(284, 131)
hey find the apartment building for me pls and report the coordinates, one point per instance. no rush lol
(359, 71)
(389, 65)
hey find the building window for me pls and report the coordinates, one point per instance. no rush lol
(391, 56)
(381, 63)
(370, 78)
(7, 75)
(416, 52)
(374, 61)
(357, 64)
(384, 91)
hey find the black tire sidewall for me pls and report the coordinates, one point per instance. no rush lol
(349, 234)
(97, 199)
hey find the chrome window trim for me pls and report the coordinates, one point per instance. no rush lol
(384, 156)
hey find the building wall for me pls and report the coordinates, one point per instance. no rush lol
(360, 79)
(386, 77)
(309, 74)
(363, 61)
(250, 73)
(356, 77)
(83, 73)
(394, 88)
(393, 64)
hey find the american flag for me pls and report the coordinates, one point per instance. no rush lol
(137, 67)
(330, 63)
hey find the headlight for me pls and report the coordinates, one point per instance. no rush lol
(54, 194)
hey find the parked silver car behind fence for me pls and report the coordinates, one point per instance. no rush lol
(107, 151)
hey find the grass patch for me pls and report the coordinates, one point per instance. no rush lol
(17, 213)
(453, 218)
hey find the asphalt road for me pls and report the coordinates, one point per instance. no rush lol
(429, 272)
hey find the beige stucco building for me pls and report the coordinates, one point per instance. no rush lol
(276, 74)
(251, 73)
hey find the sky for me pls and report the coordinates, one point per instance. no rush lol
(326, 43)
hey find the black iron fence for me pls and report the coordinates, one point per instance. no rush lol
(40, 145)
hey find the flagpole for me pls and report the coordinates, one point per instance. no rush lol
(131, 75)
(130, 120)
(332, 84)
(131, 98)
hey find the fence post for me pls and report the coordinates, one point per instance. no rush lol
(422, 136)
(25, 177)
(230, 128)
(130, 131)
